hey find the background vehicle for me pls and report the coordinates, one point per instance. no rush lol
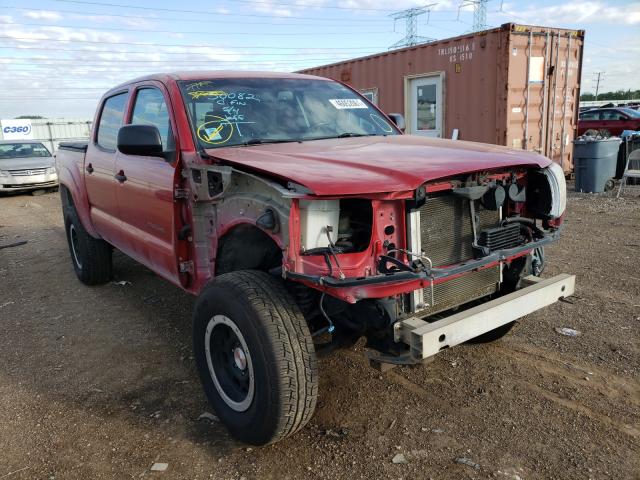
(26, 165)
(612, 120)
(304, 220)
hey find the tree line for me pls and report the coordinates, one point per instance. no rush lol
(617, 95)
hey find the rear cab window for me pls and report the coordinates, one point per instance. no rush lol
(111, 121)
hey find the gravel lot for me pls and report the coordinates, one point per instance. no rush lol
(99, 382)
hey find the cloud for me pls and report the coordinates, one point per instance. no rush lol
(575, 12)
(43, 15)
(270, 7)
(103, 18)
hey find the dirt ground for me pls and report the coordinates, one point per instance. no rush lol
(100, 383)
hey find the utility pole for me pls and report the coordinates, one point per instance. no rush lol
(479, 13)
(411, 36)
(598, 83)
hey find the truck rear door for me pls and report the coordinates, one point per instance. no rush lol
(99, 169)
(145, 187)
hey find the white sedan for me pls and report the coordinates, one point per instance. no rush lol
(26, 165)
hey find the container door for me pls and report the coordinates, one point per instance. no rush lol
(425, 106)
(563, 77)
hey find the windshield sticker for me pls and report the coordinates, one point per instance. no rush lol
(382, 123)
(347, 103)
(216, 131)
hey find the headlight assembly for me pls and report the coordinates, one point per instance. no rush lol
(547, 192)
(558, 186)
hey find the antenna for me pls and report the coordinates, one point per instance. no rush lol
(411, 16)
(479, 13)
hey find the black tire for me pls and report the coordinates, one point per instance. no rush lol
(273, 347)
(493, 335)
(609, 185)
(91, 257)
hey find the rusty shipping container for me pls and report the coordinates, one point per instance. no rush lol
(516, 85)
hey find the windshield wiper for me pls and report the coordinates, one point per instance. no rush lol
(344, 135)
(262, 141)
(351, 134)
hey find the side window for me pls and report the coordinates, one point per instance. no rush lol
(612, 115)
(111, 120)
(151, 109)
(592, 115)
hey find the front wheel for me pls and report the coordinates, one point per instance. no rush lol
(255, 356)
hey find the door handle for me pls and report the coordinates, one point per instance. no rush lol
(120, 176)
(89, 168)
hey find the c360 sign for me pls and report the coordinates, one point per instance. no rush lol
(16, 129)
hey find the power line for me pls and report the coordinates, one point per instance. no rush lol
(199, 12)
(88, 50)
(189, 32)
(191, 20)
(106, 62)
(142, 44)
(309, 5)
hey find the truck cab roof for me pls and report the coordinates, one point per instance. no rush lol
(210, 74)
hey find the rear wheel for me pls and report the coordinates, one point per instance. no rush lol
(255, 356)
(91, 257)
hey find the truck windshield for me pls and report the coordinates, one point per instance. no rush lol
(247, 111)
(21, 150)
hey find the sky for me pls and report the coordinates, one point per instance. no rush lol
(57, 57)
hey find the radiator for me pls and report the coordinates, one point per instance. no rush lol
(442, 229)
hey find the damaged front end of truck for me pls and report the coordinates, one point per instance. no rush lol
(414, 272)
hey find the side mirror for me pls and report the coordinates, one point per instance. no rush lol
(142, 140)
(398, 119)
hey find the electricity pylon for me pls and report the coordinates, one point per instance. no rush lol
(411, 30)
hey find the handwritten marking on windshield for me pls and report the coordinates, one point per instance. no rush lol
(206, 93)
(201, 84)
(216, 131)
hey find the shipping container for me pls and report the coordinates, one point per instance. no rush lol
(52, 131)
(516, 85)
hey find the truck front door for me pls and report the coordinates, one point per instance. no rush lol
(145, 188)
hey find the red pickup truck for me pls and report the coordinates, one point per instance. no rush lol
(304, 220)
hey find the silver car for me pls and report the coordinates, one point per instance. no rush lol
(26, 165)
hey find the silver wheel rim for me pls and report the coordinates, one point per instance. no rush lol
(241, 360)
(73, 240)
